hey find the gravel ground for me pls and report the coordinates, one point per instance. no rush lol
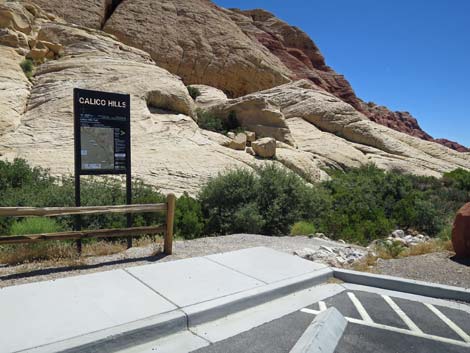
(437, 267)
(34, 272)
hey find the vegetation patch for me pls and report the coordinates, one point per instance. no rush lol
(27, 66)
(359, 206)
(302, 228)
(212, 122)
(194, 92)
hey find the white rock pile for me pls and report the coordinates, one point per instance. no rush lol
(407, 239)
(337, 256)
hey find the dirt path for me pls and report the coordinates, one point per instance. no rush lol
(34, 272)
(434, 267)
(438, 267)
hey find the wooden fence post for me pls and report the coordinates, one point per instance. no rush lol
(170, 218)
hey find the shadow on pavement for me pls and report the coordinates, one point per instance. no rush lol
(48, 271)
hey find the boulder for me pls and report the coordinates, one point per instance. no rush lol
(238, 142)
(461, 232)
(209, 96)
(255, 113)
(250, 136)
(38, 55)
(398, 233)
(265, 147)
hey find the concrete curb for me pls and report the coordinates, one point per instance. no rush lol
(404, 285)
(323, 334)
(215, 309)
(139, 332)
(120, 337)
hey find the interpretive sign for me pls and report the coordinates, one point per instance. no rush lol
(102, 132)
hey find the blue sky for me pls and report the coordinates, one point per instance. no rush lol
(409, 55)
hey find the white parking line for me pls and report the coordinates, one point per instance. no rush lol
(322, 305)
(396, 329)
(361, 310)
(449, 322)
(402, 315)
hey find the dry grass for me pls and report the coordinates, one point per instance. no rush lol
(368, 263)
(65, 252)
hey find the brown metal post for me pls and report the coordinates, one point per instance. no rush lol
(170, 218)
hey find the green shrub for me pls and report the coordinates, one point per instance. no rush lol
(24, 186)
(247, 219)
(27, 66)
(272, 199)
(194, 92)
(35, 226)
(208, 121)
(223, 196)
(302, 228)
(189, 221)
(460, 178)
(390, 249)
(211, 122)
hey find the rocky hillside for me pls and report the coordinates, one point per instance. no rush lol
(205, 44)
(152, 50)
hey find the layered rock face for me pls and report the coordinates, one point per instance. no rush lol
(87, 13)
(237, 51)
(303, 58)
(198, 42)
(297, 125)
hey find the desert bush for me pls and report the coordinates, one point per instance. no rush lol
(302, 228)
(460, 178)
(25, 186)
(276, 198)
(27, 66)
(247, 219)
(194, 92)
(35, 226)
(189, 221)
(209, 121)
(223, 196)
(390, 249)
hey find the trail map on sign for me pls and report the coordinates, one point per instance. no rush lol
(97, 146)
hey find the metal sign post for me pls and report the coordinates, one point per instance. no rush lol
(102, 132)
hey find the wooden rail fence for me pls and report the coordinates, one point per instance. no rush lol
(166, 229)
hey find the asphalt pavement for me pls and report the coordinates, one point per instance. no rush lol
(377, 323)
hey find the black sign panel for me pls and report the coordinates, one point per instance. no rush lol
(102, 133)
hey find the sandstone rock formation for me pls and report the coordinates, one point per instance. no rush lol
(461, 232)
(197, 41)
(87, 13)
(313, 129)
(238, 142)
(169, 149)
(237, 51)
(264, 147)
(304, 60)
(209, 96)
(255, 113)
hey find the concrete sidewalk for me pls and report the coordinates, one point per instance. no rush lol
(62, 314)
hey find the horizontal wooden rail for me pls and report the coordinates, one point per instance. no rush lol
(166, 229)
(101, 233)
(87, 210)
